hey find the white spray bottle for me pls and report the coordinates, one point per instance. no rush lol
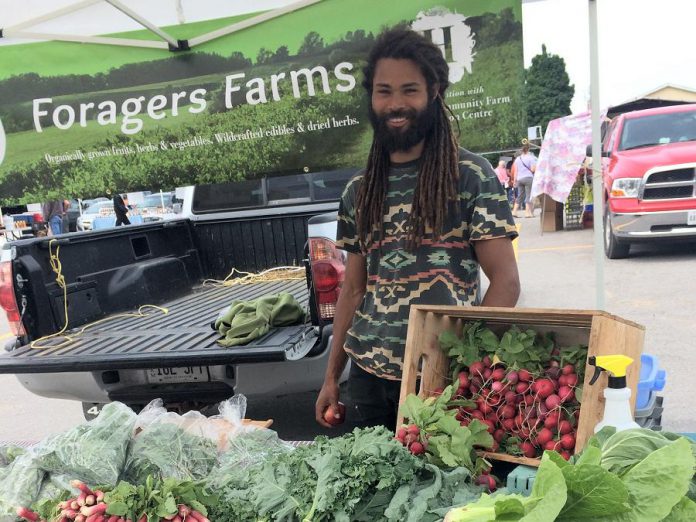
(617, 407)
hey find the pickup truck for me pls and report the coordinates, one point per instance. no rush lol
(649, 176)
(250, 226)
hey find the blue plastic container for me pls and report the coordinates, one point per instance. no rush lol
(652, 379)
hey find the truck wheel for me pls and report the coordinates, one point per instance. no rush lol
(613, 248)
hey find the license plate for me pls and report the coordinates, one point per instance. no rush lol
(691, 217)
(183, 374)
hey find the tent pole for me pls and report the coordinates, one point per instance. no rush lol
(597, 182)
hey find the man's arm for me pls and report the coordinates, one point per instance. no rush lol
(497, 260)
(352, 293)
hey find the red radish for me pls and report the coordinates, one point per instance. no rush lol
(525, 433)
(528, 400)
(464, 422)
(463, 380)
(519, 421)
(77, 484)
(507, 411)
(498, 435)
(542, 409)
(401, 434)
(417, 448)
(544, 436)
(552, 401)
(564, 427)
(487, 361)
(551, 421)
(27, 514)
(483, 406)
(80, 518)
(512, 377)
(510, 397)
(562, 380)
(90, 500)
(554, 372)
(486, 481)
(528, 450)
(115, 518)
(184, 510)
(412, 428)
(566, 394)
(551, 445)
(460, 392)
(543, 388)
(554, 363)
(473, 389)
(521, 387)
(498, 374)
(568, 441)
(568, 369)
(487, 373)
(571, 380)
(565, 454)
(494, 399)
(497, 386)
(476, 368)
(410, 438)
(88, 511)
(477, 414)
(460, 416)
(524, 375)
(490, 424)
(508, 424)
(335, 416)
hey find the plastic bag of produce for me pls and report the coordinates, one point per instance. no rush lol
(20, 483)
(186, 447)
(94, 452)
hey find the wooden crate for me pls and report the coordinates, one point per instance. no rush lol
(603, 333)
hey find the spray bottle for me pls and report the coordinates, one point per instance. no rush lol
(617, 408)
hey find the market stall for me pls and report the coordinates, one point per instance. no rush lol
(498, 387)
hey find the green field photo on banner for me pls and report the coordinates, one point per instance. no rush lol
(282, 96)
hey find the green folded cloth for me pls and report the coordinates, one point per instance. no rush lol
(245, 321)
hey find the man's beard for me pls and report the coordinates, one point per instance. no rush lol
(420, 125)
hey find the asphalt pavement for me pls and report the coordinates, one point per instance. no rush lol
(654, 287)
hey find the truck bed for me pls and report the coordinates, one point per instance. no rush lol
(182, 337)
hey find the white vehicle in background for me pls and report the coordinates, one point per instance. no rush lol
(95, 210)
(157, 207)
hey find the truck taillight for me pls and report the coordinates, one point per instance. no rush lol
(328, 266)
(7, 299)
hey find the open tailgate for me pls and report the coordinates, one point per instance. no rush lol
(183, 337)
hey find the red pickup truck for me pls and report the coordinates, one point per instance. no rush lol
(649, 173)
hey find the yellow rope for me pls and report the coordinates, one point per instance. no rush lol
(280, 273)
(57, 268)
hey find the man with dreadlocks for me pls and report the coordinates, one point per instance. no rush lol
(416, 223)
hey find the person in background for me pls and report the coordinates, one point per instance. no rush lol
(121, 210)
(504, 178)
(524, 166)
(64, 217)
(418, 224)
(53, 215)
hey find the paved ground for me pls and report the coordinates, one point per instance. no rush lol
(655, 287)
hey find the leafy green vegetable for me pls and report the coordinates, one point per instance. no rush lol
(543, 505)
(332, 479)
(157, 499)
(166, 450)
(95, 451)
(20, 483)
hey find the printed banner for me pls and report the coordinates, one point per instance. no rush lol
(281, 97)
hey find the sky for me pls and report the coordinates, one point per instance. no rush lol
(643, 44)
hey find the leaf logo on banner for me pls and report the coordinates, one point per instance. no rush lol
(3, 142)
(454, 38)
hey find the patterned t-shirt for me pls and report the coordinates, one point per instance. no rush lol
(444, 272)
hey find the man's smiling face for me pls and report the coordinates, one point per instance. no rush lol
(401, 113)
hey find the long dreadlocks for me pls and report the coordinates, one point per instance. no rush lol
(438, 172)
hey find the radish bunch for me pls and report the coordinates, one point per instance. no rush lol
(413, 438)
(525, 412)
(89, 506)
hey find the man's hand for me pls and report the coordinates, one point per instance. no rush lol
(328, 396)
